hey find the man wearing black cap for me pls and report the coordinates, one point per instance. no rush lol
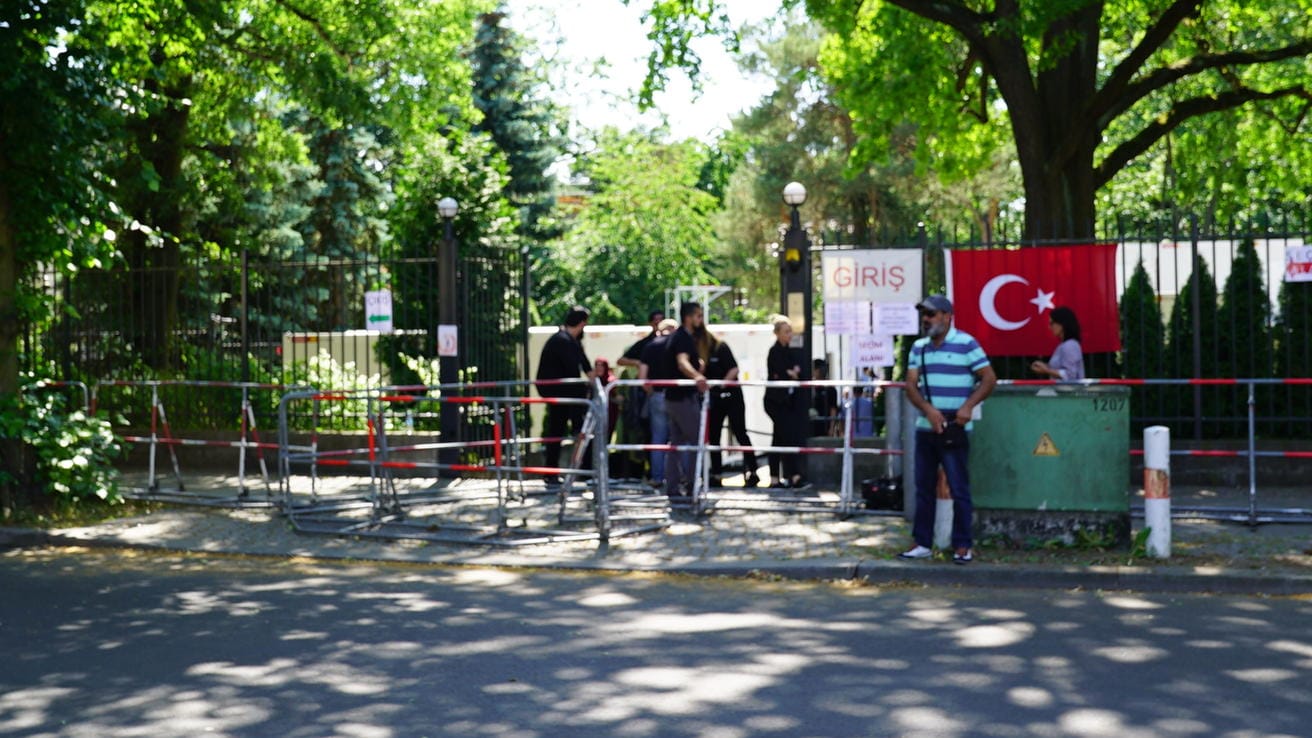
(948, 376)
(563, 357)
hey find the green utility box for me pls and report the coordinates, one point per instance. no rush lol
(1053, 462)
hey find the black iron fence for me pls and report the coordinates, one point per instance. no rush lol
(1192, 304)
(1207, 305)
(281, 323)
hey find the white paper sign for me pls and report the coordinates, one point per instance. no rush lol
(1298, 264)
(873, 275)
(378, 311)
(872, 351)
(448, 341)
(847, 317)
(897, 319)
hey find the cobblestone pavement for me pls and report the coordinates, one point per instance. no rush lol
(734, 539)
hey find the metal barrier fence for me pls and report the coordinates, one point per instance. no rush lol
(434, 513)
(161, 435)
(497, 470)
(703, 499)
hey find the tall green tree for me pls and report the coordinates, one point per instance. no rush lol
(1143, 341)
(1086, 86)
(1245, 316)
(1293, 352)
(644, 227)
(1143, 335)
(1183, 340)
(1083, 87)
(54, 106)
(521, 120)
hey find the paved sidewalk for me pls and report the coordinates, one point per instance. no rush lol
(1207, 556)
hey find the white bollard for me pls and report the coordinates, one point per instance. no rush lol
(1157, 490)
(943, 514)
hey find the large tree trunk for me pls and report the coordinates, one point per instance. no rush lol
(12, 461)
(1054, 145)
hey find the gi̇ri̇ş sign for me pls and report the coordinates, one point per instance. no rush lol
(873, 275)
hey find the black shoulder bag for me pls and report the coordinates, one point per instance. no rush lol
(954, 433)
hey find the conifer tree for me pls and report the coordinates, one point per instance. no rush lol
(519, 120)
(1293, 353)
(1143, 340)
(1181, 339)
(1245, 320)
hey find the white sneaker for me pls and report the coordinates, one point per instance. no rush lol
(919, 552)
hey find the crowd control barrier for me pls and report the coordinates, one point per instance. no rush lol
(162, 436)
(703, 498)
(403, 502)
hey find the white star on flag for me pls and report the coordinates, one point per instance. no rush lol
(1043, 300)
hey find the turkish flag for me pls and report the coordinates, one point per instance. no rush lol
(1003, 297)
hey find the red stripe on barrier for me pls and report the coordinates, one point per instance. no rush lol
(496, 438)
(333, 462)
(373, 445)
(400, 464)
(542, 470)
(468, 467)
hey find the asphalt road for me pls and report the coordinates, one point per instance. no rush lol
(109, 644)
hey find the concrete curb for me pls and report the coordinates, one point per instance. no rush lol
(874, 571)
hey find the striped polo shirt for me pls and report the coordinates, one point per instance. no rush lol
(949, 369)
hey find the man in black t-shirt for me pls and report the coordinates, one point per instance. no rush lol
(633, 354)
(727, 404)
(681, 403)
(652, 366)
(563, 357)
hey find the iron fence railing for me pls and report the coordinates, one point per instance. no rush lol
(293, 323)
(304, 323)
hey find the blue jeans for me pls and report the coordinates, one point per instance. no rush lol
(660, 433)
(929, 455)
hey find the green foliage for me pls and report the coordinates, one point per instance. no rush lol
(673, 26)
(322, 372)
(1083, 89)
(74, 450)
(520, 118)
(644, 229)
(1139, 546)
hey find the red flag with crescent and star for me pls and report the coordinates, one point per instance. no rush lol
(1003, 297)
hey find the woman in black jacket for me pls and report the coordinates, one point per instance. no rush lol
(783, 405)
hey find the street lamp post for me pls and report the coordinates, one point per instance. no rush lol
(448, 349)
(795, 279)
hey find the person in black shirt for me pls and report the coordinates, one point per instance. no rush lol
(563, 357)
(652, 366)
(824, 400)
(637, 415)
(727, 404)
(785, 408)
(633, 354)
(681, 403)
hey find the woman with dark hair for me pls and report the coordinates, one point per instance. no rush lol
(1067, 362)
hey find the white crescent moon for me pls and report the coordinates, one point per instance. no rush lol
(989, 310)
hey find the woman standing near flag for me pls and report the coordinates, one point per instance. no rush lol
(1067, 362)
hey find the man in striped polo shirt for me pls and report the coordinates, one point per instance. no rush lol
(948, 376)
